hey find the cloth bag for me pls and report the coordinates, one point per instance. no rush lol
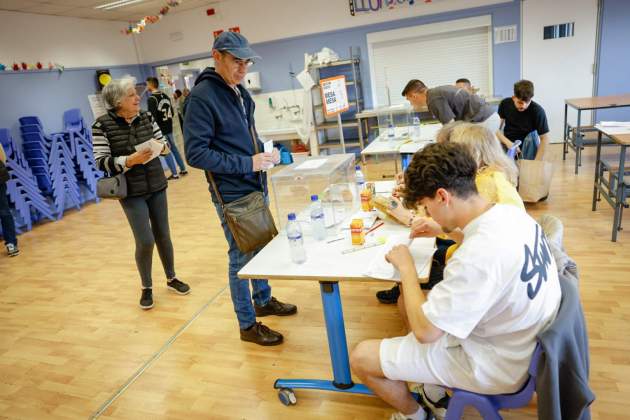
(248, 218)
(113, 187)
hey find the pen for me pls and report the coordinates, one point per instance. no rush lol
(349, 250)
(373, 228)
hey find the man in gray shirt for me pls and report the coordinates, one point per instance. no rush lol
(450, 103)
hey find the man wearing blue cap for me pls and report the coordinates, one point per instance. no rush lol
(219, 133)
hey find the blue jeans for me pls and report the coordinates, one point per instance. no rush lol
(239, 289)
(6, 218)
(174, 154)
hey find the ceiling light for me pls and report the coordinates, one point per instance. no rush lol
(116, 4)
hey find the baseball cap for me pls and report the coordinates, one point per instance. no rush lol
(235, 44)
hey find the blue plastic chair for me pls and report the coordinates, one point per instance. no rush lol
(489, 405)
(72, 120)
(30, 120)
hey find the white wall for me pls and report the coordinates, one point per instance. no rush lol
(560, 68)
(270, 20)
(72, 42)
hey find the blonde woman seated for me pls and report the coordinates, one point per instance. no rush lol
(496, 180)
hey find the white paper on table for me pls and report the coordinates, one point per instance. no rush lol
(155, 146)
(379, 268)
(611, 130)
(384, 187)
(615, 123)
(311, 164)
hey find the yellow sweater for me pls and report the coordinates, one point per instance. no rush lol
(494, 187)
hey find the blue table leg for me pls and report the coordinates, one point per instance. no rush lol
(342, 378)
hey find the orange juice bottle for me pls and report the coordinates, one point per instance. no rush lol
(356, 231)
(366, 200)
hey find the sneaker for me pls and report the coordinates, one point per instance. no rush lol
(438, 408)
(174, 176)
(262, 335)
(400, 416)
(275, 307)
(388, 297)
(12, 250)
(146, 300)
(178, 287)
(184, 172)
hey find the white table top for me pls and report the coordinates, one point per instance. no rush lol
(401, 144)
(324, 261)
(612, 129)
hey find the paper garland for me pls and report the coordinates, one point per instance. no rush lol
(139, 26)
(23, 66)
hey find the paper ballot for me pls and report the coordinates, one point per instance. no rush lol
(155, 146)
(268, 148)
(379, 268)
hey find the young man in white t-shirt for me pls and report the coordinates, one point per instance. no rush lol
(476, 330)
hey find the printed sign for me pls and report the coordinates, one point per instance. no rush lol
(334, 95)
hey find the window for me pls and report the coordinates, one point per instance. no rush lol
(438, 54)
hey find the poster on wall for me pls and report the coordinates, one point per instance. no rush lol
(97, 105)
(334, 95)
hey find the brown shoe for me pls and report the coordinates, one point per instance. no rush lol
(262, 335)
(275, 307)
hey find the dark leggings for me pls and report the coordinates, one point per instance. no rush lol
(148, 218)
(8, 224)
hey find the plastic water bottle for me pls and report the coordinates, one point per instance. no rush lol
(391, 131)
(360, 179)
(296, 240)
(358, 174)
(415, 131)
(318, 224)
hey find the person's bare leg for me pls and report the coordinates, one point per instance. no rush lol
(366, 364)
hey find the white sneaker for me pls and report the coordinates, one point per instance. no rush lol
(12, 250)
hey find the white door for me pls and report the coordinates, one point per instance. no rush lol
(560, 68)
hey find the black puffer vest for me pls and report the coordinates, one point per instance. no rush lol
(122, 137)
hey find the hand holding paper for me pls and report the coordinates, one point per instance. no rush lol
(153, 145)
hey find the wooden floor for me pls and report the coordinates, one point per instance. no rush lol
(73, 342)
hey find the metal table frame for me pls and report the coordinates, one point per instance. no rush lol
(602, 187)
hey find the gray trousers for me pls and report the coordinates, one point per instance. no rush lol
(148, 218)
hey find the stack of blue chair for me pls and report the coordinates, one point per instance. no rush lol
(80, 139)
(56, 153)
(23, 190)
(36, 152)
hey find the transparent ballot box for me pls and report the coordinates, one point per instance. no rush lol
(394, 122)
(331, 177)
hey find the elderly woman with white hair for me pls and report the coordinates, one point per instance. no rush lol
(115, 136)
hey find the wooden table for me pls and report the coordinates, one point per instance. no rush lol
(326, 265)
(603, 187)
(586, 104)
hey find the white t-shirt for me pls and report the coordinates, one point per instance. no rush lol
(500, 289)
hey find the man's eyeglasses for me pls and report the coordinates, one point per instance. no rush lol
(239, 62)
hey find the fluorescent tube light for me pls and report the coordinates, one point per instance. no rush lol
(116, 4)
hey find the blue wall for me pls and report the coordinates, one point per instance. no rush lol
(614, 57)
(47, 94)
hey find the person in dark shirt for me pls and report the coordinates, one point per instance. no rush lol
(450, 103)
(520, 116)
(162, 110)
